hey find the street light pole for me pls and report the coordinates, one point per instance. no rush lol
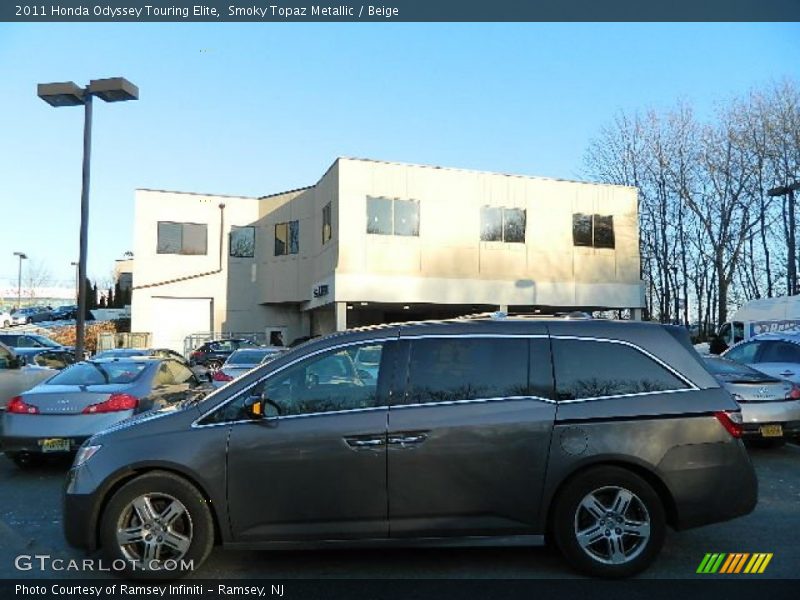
(22, 256)
(788, 190)
(116, 89)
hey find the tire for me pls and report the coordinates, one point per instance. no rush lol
(155, 505)
(25, 460)
(28, 321)
(606, 550)
(213, 364)
(6, 324)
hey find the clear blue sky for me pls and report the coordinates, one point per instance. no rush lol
(252, 109)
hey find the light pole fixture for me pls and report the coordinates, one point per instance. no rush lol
(789, 190)
(115, 89)
(77, 286)
(22, 256)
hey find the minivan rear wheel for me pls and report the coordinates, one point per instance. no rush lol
(158, 526)
(609, 522)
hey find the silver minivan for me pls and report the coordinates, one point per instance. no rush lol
(594, 435)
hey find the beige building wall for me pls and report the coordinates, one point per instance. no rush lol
(447, 264)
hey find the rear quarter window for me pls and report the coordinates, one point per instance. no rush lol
(596, 369)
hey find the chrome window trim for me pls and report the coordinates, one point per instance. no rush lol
(475, 401)
(634, 395)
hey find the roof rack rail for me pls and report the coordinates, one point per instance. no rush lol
(499, 315)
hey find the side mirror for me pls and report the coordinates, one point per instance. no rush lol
(362, 374)
(263, 408)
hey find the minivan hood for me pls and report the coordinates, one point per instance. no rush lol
(143, 423)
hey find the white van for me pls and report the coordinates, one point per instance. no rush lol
(761, 316)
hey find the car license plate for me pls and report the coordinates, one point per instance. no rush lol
(55, 445)
(771, 430)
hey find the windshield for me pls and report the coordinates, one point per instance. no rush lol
(99, 373)
(44, 341)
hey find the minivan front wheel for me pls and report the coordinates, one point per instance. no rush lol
(609, 522)
(157, 526)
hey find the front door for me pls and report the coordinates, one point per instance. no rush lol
(468, 440)
(317, 470)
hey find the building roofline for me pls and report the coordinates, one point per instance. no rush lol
(197, 194)
(478, 171)
(300, 189)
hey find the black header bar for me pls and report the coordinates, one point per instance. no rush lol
(278, 11)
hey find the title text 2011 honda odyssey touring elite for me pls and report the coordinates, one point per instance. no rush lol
(596, 434)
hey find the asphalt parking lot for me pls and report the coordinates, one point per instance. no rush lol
(30, 523)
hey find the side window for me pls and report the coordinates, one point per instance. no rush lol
(179, 373)
(451, 369)
(780, 352)
(25, 342)
(323, 383)
(591, 369)
(745, 354)
(738, 332)
(5, 358)
(52, 360)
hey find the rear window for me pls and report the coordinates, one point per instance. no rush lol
(92, 373)
(247, 357)
(728, 369)
(595, 369)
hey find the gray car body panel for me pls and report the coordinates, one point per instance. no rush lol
(502, 488)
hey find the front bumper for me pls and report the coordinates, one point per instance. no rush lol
(80, 517)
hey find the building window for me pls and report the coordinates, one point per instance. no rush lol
(242, 242)
(500, 224)
(392, 216)
(593, 230)
(182, 238)
(287, 238)
(326, 223)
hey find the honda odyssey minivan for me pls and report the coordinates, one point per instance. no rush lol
(593, 435)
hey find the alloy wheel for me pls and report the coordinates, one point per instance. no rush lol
(154, 528)
(612, 525)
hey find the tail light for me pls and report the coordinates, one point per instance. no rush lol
(18, 406)
(794, 393)
(731, 421)
(220, 376)
(115, 403)
(196, 354)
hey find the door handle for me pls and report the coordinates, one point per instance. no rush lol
(365, 443)
(407, 439)
(787, 373)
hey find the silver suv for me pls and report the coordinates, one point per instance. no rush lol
(597, 435)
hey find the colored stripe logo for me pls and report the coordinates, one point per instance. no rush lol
(733, 563)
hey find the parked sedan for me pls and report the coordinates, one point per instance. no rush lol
(212, 354)
(241, 361)
(130, 352)
(60, 413)
(776, 354)
(66, 312)
(5, 319)
(770, 406)
(32, 314)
